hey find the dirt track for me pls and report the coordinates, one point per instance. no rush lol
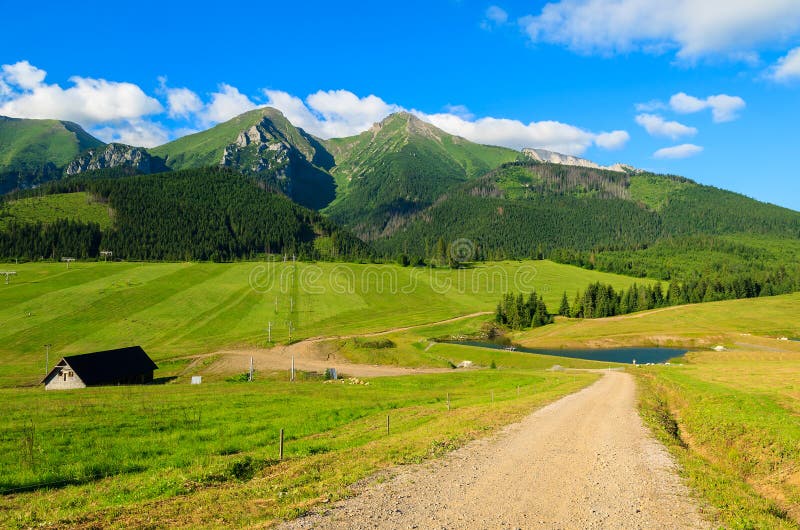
(311, 355)
(585, 461)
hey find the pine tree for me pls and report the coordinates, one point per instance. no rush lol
(563, 309)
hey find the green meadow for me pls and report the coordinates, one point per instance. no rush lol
(731, 418)
(179, 309)
(78, 206)
(127, 456)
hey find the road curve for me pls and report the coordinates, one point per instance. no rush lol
(585, 461)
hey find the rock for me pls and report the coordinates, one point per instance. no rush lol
(116, 155)
(543, 155)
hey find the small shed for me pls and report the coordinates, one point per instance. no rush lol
(123, 366)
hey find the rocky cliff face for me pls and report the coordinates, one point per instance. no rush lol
(279, 160)
(116, 155)
(543, 155)
(259, 150)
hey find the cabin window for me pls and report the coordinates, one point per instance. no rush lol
(65, 375)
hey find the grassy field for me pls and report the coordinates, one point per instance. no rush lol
(76, 206)
(732, 420)
(179, 309)
(128, 456)
(727, 323)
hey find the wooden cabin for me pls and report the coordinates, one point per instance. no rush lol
(123, 366)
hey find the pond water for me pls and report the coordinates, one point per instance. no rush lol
(642, 355)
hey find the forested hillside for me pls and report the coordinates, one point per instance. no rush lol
(209, 214)
(527, 209)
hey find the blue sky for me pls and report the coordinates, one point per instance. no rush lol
(706, 89)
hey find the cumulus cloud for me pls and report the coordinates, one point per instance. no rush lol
(225, 104)
(23, 75)
(88, 101)
(678, 151)
(332, 113)
(732, 28)
(787, 67)
(181, 102)
(337, 113)
(650, 106)
(723, 107)
(612, 140)
(495, 16)
(141, 133)
(655, 125)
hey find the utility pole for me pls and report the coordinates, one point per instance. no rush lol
(8, 274)
(292, 378)
(250, 376)
(47, 358)
(291, 304)
(269, 332)
(289, 325)
(68, 260)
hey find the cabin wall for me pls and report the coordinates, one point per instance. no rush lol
(57, 382)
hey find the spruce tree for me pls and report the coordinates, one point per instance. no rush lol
(563, 309)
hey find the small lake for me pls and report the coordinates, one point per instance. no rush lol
(613, 355)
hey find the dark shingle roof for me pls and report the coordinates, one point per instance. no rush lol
(111, 365)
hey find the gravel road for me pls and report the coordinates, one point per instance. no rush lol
(585, 461)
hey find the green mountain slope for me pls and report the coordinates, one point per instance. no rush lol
(34, 151)
(264, 144)
(401, 166)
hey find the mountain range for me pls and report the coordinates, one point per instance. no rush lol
(404, 184)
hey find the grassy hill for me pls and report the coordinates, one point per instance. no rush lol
(34, 151)
(79, 206)
(175, 309)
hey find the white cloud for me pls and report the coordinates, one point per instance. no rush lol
(650, 106)
(723, 107)
(459, 110)
(225, 104)
(655, 125)
(338, 113)
(141, 133)
(612, 140)
(678, 151)
(333, 113)
(495, 16)
(23, 75)
(735, 29)
(787, 67)
(551, 135)
(88, 101)
(182, 102)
